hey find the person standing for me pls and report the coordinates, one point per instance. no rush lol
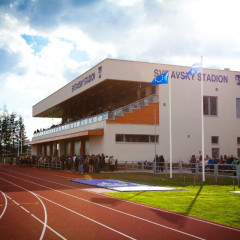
(91, 163)
(193, 163)
(75, 165)
(161, 162)
(81, 162)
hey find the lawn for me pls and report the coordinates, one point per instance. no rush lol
(202, 200)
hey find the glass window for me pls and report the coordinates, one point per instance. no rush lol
(153, 90)
(205, 105)
(213, 106)
(136, 138)
(119, 137)
(238, 152)
(214, 140)
(210, 105)
(152, 138)
(215, 152)
(238, 140)
(128, 138)
(238, 107)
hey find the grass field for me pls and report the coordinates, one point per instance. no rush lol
(202, 200)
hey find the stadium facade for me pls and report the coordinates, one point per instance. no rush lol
(113, 109)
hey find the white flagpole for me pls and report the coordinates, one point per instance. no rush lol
(170, 122)
(202, 121)
(155, 146)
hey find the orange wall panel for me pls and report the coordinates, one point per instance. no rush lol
(144, 115)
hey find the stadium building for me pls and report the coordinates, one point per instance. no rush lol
(113, 109)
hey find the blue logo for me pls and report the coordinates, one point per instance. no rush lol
(237, 79)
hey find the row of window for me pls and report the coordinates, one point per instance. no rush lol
(136, 138)
(215, 140)
(139, 138)
(210, 106)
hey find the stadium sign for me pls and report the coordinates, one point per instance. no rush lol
(206, 77)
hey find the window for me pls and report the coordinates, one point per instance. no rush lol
(238, 140)
(119, 138)
(215, 152)
(152, 138)
(136, 138)
(214, 140)
(210, 105)
(238, 152)
(238, 107)
(153, 90)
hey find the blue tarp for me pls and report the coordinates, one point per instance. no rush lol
(122, 186)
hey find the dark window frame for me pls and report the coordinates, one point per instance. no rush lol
(215, 139)
(238, 107)
(210, 105)
(136, 138)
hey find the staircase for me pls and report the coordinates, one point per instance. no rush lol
(140, 112)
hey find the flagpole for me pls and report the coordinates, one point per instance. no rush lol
(202, 122)
(155, 147)
(170, 123)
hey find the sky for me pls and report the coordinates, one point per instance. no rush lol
(45, 44)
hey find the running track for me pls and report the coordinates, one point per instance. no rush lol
(43, 204)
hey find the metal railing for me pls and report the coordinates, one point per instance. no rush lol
(213, 170)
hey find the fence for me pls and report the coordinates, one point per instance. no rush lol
(49, 165)
(5, 159)
(213, 170)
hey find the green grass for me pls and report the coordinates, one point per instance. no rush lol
(202, 200)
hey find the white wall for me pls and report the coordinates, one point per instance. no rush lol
(129, 151)
(186, 113)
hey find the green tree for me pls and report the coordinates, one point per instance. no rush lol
(12, 134)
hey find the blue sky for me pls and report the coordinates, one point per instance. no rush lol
(44, 44)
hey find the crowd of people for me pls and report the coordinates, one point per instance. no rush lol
(89, 163)
(224, 162)
(77, 164)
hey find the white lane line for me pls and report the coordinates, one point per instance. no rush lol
(38, 196)
(134, 203)
(38, 219)
(49, 227)
(44, 208)
(5, 205)
(112, 209)
(24, 209)
(90, 219)
(16, 202)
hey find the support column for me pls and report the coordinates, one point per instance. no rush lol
(34, 150)
(61, 149)
(82, 147)
(44, 150)
(51, 149)
(72, 148)
(54, 151)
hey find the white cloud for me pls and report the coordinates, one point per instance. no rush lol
(125, 2)
(175, 32)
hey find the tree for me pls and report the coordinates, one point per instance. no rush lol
(12, 134)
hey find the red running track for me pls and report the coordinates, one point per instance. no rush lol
(43, 204)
